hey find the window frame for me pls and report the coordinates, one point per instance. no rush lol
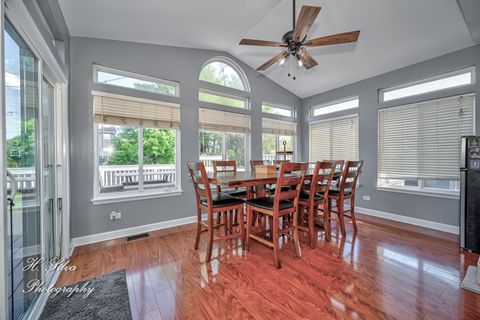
(99, 68)
(421, 189)
(246, 100)
(353, 115)
(278, 145)
(139, 194)
(279, 106)
(471, 70)
(332, 104)
(223, 133)
(234, 66)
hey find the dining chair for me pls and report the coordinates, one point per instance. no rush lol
(255, 163)
(314, 198)
(281, 204)
(226, 167)
(213, 205)
(346, 191)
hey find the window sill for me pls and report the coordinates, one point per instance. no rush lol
(135, 196)
(428, 193)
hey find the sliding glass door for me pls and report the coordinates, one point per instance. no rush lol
(22, 155)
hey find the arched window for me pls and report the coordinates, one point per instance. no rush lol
(224, 73)
(224, 129)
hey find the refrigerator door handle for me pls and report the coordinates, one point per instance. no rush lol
(463, 174)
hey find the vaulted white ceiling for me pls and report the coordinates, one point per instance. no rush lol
(394, 33)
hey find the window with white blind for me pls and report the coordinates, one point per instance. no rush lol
(136, 147)
(419, 144)
(334, 139)
(223, 136)
(276, 135)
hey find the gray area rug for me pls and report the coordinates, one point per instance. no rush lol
(108, 300)
(470, 280)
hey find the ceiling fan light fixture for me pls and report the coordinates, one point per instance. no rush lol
(300, 63)
(282, 61)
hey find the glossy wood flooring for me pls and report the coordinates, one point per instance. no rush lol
(387, 271)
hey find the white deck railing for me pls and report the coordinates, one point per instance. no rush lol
(119, 175)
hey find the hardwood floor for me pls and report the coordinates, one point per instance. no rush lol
(389, 270)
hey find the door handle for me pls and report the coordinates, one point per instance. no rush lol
(13, 184)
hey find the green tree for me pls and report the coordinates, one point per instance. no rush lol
(158, 146)
(155, 88)
(21, 149)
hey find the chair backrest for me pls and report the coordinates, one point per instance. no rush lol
(255, 163)
(350, 175)
(279, 162)
(224, 166)
(292, 175)
(199, 177)
(338, 164)
(322, 178)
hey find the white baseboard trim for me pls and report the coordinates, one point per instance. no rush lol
(409, 220)
(104, 236)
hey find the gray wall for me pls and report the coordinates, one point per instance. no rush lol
(173, 63)
(418, 206)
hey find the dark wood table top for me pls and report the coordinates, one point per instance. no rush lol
(249, 178)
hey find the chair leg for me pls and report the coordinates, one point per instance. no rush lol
(225, 221)
(219, 218)
(275, 242)
(352, 214)
(240, 225)
(210, 238)
(311, 228)
(326, 221)
(249, 227)
(199, 227)
(341, 217)
(296, 240)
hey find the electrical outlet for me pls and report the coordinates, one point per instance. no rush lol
(366, 198)
(115, 215)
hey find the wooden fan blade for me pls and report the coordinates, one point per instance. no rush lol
(307, 59)
(334, 39)
(264, 43)
(276, 58)
(307, 16)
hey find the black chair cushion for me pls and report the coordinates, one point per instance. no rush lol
(272, 188)
(240, 192)
(222, 200)
(336, 192)
(267, 203)
(305, 195)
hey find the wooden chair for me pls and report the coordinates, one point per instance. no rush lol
(283, 203)
(254, 163)
(345, 191)
(226, 167)
(213, 205)
(314, 198)
(339, 165)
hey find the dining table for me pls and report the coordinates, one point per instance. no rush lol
(253, 181)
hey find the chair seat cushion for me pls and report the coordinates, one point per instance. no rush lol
(272, 188)
(240, 192)
(336, 192)
(267, 203)
(305, 195)
(222, 200)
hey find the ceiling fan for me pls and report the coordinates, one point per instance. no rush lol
(295, 41)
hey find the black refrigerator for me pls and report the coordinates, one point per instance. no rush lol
(470, 194)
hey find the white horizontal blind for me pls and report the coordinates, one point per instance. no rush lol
(422, 141)
(125, 110)
(284, 128)
(216, 120)
(335, 139)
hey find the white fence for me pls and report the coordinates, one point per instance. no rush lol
(124, 175)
